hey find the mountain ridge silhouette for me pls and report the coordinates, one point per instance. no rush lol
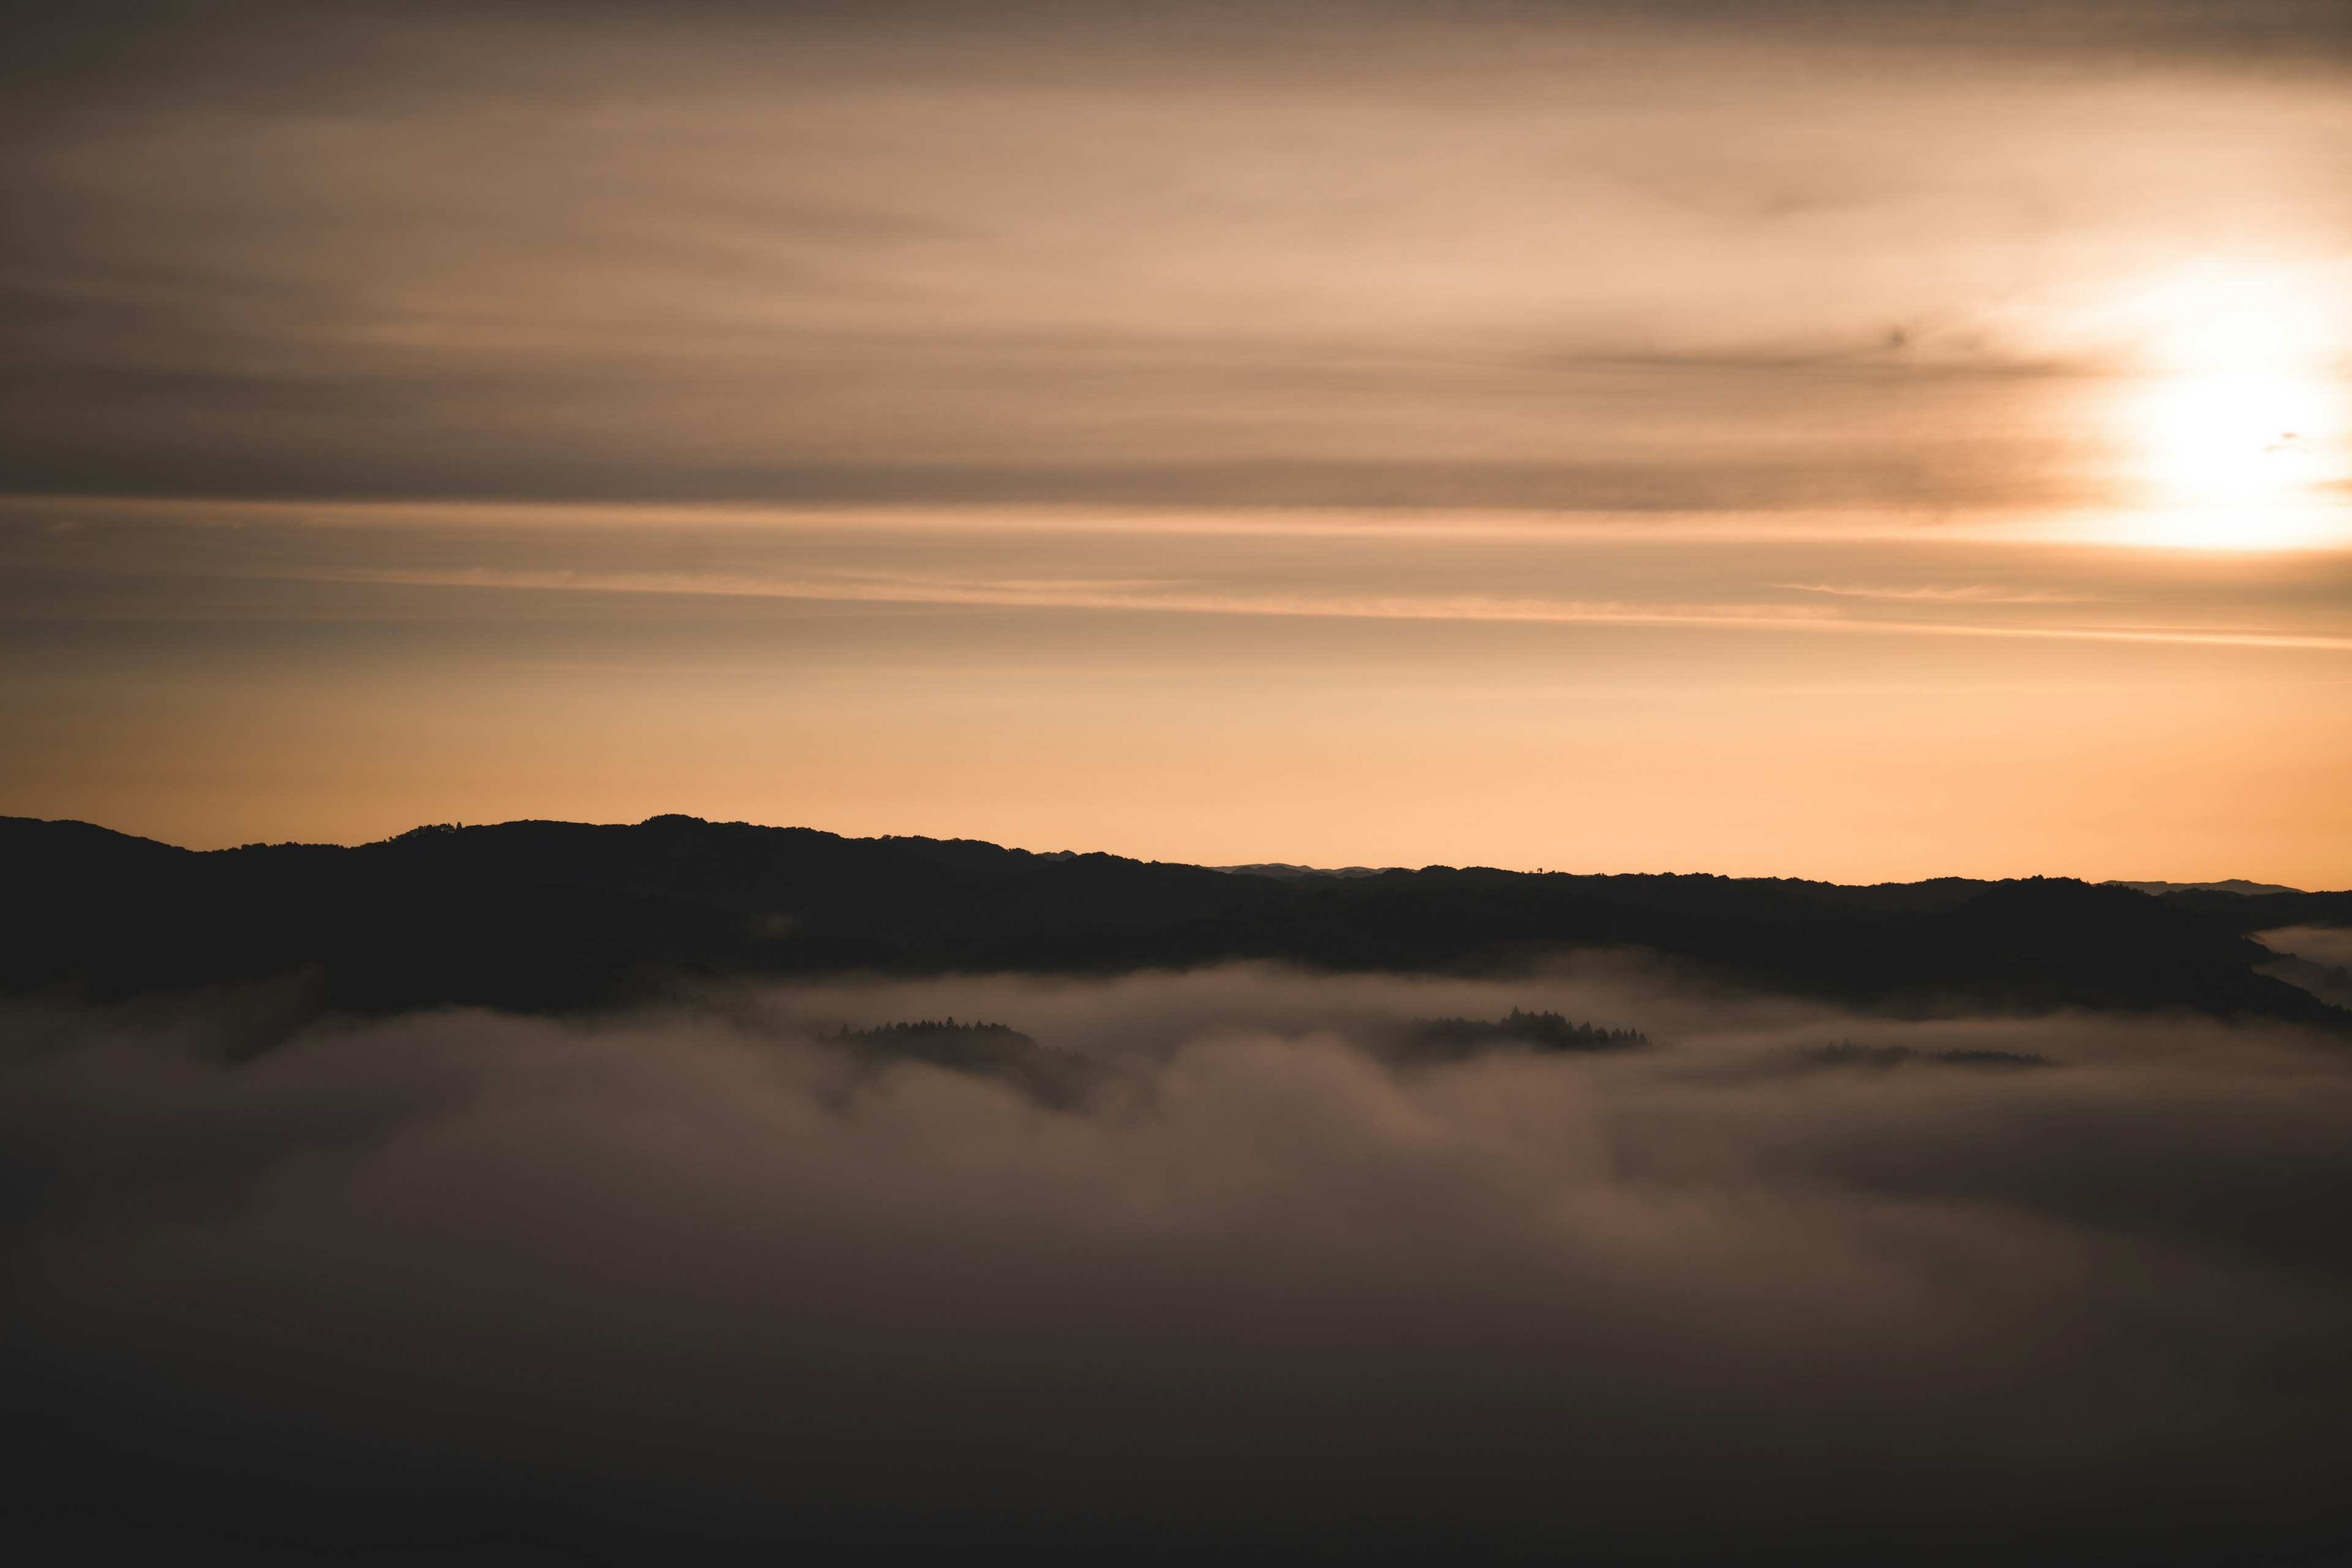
(553, 917)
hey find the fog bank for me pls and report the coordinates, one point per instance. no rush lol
(1781, 1284)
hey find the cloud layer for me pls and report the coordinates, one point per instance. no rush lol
(1358, 253)
(460, 1280)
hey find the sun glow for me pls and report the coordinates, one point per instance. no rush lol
(2239, 435)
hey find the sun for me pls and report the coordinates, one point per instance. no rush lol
(2238, 430)
(2235, 436)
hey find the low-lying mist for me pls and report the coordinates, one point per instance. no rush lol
(1266, 1278)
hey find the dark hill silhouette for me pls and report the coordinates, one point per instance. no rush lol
(554, 916)
(902, 891)
(2265, 912)
(1458, 1039)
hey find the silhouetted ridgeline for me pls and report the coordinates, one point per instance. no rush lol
(1458, 1039)
(555, 916)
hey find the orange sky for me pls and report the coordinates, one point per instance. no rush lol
(1780, 695)
(1753, 442)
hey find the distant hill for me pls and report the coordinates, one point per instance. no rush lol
(1458, 1039)
(1291, 873)
(555, 916)
(2230, 885)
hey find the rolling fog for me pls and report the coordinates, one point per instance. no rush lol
(2065, 1288)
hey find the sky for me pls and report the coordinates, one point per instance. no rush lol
(1862, 442)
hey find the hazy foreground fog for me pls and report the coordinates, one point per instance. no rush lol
(458, 1281)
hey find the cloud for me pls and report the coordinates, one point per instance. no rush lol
(1355, 254)
(2317, 958)
(1963, 593)
(458, 1280)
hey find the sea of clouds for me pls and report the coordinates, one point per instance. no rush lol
(1783, 1285)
